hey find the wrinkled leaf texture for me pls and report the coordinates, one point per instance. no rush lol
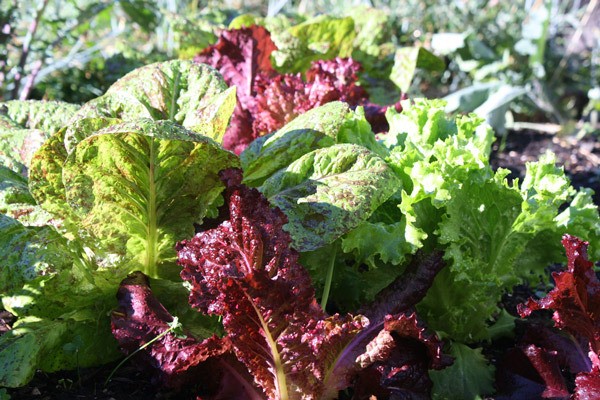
(245, 271)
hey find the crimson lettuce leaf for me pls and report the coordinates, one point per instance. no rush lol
(244, 271)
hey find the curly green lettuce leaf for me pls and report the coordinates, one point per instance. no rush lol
(433, 155)
(318, 128)
(330, 191)
(487, 228)
(192, 95)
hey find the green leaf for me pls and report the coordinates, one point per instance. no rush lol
(499, 235)
(53, 345)
(47, 116)
(320, 38)
(330, 191)
(29, 252)
(142, 12)
(319, 127)
(184, 92)
(45, 177)
(469, 98)
(469, 377)
(370, 242)
(25, 125)
(406, 62)
(14, 193)
(154, 180)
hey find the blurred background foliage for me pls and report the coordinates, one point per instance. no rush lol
(522, 62)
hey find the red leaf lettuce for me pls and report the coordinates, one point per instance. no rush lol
(244, 271)
(535, 367)
(268, 100)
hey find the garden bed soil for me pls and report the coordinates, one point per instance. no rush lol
(579, 156)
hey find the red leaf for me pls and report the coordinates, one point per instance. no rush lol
(575, 298)
(141, 318)
(240, 55)
(245, 271)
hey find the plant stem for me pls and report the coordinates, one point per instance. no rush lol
(173, 326)
(328, 279)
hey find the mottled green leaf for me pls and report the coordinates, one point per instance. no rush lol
(138, 187)
(45, 176)
(330, 191)
(320, 127)
(406, 62)
(14, 193)
(28, 252)
(187, 93)
(47, 116)
(25, 125)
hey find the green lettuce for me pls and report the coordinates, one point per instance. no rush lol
(24, 125)
(319, 38)
(194, 96)
(329, 191)
(121, 183)
(318, 128)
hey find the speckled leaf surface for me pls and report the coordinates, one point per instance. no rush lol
(193, 95)
(48, 116)
(45, 176)
(25, 125)
(139, 187)
(318, 128)
(330, 191)
(28, 252)
(15, 198)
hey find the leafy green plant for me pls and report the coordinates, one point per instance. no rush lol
(445, 195)
(122, 181)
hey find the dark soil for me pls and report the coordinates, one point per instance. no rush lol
(580, 158)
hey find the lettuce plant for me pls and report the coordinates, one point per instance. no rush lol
(535, 367)
(443, 195)
(267, 99)
(244, 271)
(122, 182)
